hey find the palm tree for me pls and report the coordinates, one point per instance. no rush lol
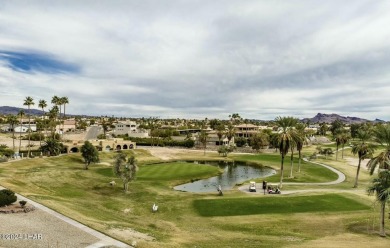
(29, 101)
(293, 144)
(382, 160)
(53, 112)
(381, 188)
(362, 149)
(220, 132)
(12, 120)
(286, 123)
(300, 141)
(338, 139)
(344, 138)
(21, 114)
(230, 132)
(42, 104)
(64, 101)
(56, 101)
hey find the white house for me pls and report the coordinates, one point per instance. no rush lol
(125, 127)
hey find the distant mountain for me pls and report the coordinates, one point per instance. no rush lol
(329, 118)
(7, 110)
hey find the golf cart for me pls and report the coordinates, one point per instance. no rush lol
(252, 186)
(273, 189)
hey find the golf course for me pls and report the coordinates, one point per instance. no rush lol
(304, 215)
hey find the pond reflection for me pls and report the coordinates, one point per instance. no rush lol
(233, 173)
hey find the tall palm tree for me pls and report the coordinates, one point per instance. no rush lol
(220, 132)
(362, 149)
(29, 101)
(382, 160)
(230, 132)
(64, 101)
(42, 104)
(56, 101)
(381, 188)
(345, 137)
(285, 123)
(53, 112)
(338, 139)
(12, 120)
(300, 141)
(21, 114)
(293, 145)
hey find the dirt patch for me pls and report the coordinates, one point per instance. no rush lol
(355, 161)
(130, 234)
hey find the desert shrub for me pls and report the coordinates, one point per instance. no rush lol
(36, 136)
(7, 197)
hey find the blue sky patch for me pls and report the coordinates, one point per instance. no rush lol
(29, 62)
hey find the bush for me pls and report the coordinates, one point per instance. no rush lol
(22, 203)
(160, 142)
(36, 136)
(7, 197)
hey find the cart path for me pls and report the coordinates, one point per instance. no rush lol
(104, 240)
(340, 179)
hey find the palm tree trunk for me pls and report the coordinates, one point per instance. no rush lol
(299, 161)
(20, 137)
(342, 151)
(281, 173)
(291, 163)
(357, 174)
(337, 151)
(13, 138)
(382, 227)
(29, 131)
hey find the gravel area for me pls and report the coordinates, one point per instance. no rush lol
(39, 229)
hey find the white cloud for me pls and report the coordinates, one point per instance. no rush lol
(201, 58)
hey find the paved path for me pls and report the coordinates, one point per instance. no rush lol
(340, 179)
(102, 239)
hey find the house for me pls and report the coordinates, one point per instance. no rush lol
(246, 130)
(125, 127)
(68, 125)
(24, 128)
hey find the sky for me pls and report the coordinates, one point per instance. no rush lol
(198, 59)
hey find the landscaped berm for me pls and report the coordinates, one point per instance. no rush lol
(304, 215)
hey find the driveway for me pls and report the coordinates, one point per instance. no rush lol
(45, 227)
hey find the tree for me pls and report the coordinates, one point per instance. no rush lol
(300, 140)
(225, 150)
(29, 101)
(52, 147)
(362, 149)
(344, 138)
(21, 114)
(89, 153)
(203, 135)
(336, 127)
(64, 101)
(12, 120)
(125, 170)
(338, 142)
(220, 132)
(285, 123)
(381, 188)
(382, 160)
(230, 132)
(53, 112)
(42, 104)
(323, 129)
(259, 140)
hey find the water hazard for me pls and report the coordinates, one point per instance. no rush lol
(233, 173)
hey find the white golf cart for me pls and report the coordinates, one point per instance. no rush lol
(252, 186)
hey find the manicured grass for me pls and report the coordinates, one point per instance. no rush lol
(176, 171)
(276, 205)
(309, 172)
(62, 184)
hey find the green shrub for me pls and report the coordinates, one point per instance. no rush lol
(36, 136)
(7, 197)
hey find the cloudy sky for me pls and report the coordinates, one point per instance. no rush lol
(198, 59)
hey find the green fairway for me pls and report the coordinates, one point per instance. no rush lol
(176, 171)
(276, 205)
(310, 172)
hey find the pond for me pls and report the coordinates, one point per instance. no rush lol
(233, 173)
